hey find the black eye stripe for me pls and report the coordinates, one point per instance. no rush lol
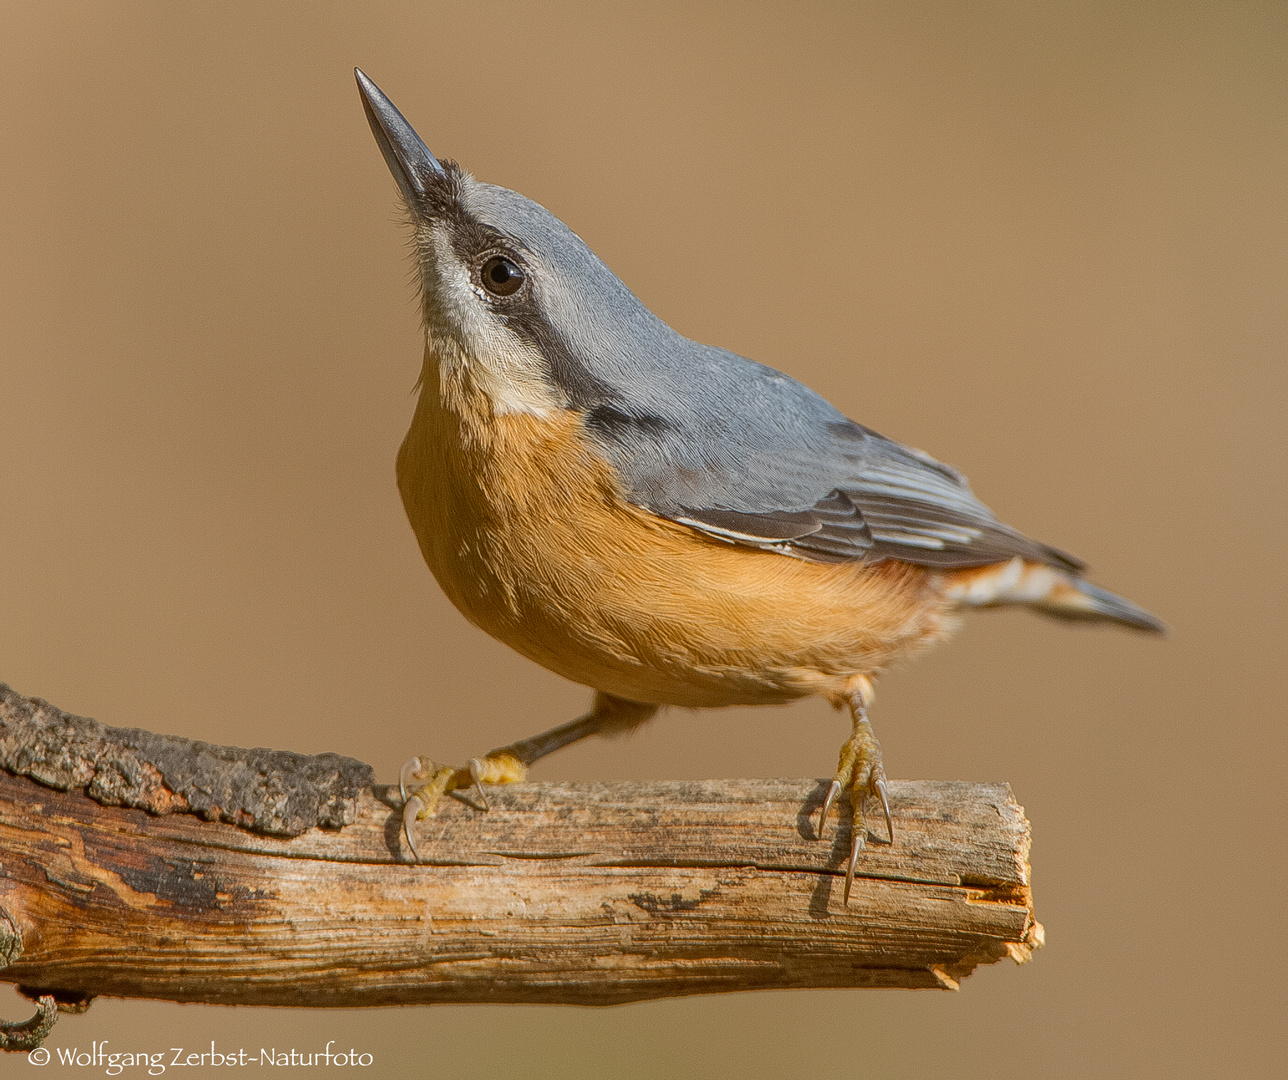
(501, 276)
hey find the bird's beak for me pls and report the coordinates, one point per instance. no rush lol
(409, 159)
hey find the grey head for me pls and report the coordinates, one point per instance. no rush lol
(697, 434)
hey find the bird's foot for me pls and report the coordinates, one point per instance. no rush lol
(860, 774)
(423, 783)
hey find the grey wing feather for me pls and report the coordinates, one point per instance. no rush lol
(749, 455)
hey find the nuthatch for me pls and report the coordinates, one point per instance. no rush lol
(666, 522)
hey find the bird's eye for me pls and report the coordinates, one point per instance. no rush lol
(501, 276)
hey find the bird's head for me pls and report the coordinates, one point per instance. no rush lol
(510, 293)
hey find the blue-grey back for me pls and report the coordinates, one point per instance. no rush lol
(734, 448)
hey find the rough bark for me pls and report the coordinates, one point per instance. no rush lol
(153, 884)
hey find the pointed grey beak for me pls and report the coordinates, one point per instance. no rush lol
(409, 159)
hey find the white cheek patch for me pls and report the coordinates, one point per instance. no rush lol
(510, 372)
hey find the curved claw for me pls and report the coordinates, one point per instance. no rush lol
(832, 792)
(856, 849)
(411, 808)
(478, 770)
(885, 806)
(411, 770)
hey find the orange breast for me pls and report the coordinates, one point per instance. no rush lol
(525, 527)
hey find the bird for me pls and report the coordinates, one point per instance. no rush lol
(666, 522)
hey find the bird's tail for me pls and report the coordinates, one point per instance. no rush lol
(1047, 589)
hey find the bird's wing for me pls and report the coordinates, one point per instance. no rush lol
(891, 503)
(776, 467)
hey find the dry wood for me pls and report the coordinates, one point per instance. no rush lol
(577, 893)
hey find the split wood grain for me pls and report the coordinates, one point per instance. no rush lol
(572, 893)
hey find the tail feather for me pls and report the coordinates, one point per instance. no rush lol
(1080, 599)
(1052, 591)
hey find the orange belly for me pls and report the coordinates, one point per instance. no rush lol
(525, 528)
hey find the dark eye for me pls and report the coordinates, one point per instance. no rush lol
(501, 276)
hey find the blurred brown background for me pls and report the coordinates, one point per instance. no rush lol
(1047, 242)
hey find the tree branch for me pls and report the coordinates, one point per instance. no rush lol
(299, 890)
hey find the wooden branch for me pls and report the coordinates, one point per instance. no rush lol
(576, 893)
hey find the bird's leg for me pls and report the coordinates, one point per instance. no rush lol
(423, 783)
(861, 774)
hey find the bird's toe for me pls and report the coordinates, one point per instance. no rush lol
(423, 783)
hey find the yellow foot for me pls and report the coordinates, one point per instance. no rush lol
(861, 774)
(429, 782)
